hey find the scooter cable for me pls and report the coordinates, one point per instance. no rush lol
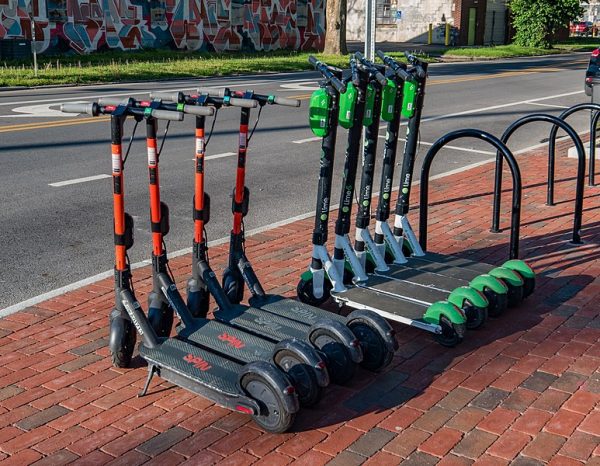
(255, 124)
(164, 245)
(164, 138)
(212, 127)
(130, 275)
(130, 142)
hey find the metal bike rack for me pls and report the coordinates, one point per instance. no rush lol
(552, 145)
(516, 176)
(556, 122)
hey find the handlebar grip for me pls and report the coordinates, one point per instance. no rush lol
(87, 108)
(381, 55)
(420, 71)
(286, 102)
(313, 60)
(359, 56)
(198, 110)
(245, 103)
(211, 91)
(338, 85)
(115, 101)
(381, 79)
(176, 96)
(167, 115)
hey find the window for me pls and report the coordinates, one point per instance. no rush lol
(385, 12)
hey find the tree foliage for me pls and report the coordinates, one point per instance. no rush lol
(536, 21)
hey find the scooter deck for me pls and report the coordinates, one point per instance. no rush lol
(228, 341)
(390, 307)
(455, 261)
(262, 323)
(440, 268)
(193, 368)
(410, 291)
(293, 309)
(417, 276)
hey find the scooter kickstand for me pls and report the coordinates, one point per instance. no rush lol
(152, 369)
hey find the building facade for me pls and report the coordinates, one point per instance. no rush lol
(474, 22)
(86, 26)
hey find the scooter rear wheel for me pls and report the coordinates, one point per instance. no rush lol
(476, 316)
(302, 375)
(375, 351)
(340, 365)
(449, 336)
(274, 416)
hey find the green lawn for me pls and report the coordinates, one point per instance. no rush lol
(169, 64)
(156, 64)
(583, 44)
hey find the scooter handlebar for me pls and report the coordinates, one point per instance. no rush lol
(198, 110)
(112, 101)
(87, 108)
(286, 102)
(380, 78)
(167, 115)
(211, 91)
(176, 96)
(327, 74)
(245, 103)
(396, 67)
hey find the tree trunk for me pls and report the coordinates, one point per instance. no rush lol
(335, 29)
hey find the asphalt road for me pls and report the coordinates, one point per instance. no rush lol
(52, 236)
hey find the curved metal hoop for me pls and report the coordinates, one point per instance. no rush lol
(516, 176)
(556, 122)
(552, 145)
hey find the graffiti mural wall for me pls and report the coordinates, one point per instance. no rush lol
(213, 25)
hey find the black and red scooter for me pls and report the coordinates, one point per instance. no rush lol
(376, 336)
(259, 388)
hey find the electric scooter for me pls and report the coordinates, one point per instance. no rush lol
(258, 388)
(376, 337)
(443, 318)
(517, 275)
(295, 357)
(336, 343)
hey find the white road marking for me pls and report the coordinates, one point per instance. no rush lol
(40, 111)
(302, 141)
(464, 149)
(145, 92)
(496, 107)
(78, 180)
(308, 85)
(219, 156)
(547, 105)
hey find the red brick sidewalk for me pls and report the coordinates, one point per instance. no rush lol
(525, 388)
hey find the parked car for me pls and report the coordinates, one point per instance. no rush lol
(592, 74)
(581, 28)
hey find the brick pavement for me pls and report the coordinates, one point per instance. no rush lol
(524, 389)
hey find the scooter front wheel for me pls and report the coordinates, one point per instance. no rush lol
(303, 377)
(306, 293)
(273, 417)
(122, 337)
(233, 285)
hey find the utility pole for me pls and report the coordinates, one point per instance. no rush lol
(370, 6)
(31, 17)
